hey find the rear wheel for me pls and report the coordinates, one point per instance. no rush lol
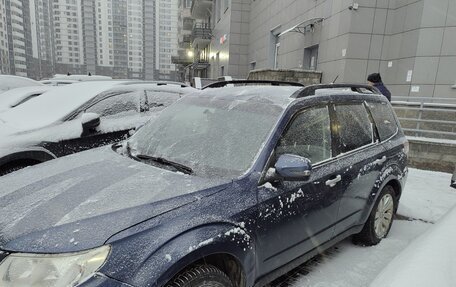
(201, 276)
(16, 165)
(380, 220)
(11, 169)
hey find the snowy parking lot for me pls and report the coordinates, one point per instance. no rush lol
(426, 198)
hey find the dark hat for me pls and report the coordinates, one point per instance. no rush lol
(374, 78)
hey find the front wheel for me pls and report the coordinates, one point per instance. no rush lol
(201, 276)
(380, 220)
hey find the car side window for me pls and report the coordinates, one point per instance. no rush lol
(308, 135)
(384, 119)
(157, 100)
(117, 105)
(354, 128)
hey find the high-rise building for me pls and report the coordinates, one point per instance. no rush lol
(166, 33)
(119, 38)
(16, 37)
(42, 57)
(68, 36)
(4, 54)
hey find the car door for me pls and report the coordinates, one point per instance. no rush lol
(297, 216)
(361, 158)
(119, 116)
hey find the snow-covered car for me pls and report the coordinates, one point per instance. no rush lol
(15, 97)
(228, 187)
(8, 82)
(80, 78)
(430, 260)
(81, 116)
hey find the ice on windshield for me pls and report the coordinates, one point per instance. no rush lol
(213, 137)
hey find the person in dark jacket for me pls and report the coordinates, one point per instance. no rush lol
(453, 179)
(376, 80)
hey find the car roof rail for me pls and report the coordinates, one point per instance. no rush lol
(310, 90)
(221, 84)
(158, 83)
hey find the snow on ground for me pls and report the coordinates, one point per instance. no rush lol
(426, 198)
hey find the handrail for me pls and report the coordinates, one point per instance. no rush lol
(424, 112)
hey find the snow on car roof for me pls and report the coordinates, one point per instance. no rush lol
(54, 105)
(275, 95)
(12, 97)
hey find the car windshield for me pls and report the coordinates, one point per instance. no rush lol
(213, 137)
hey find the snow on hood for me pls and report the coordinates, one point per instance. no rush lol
(40, 111)
(14, 96)
(79, 201)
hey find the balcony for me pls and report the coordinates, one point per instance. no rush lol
(201, 9)
(201, 35)
(182, 58)
(187, 23)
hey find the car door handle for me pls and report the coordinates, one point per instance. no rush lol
(333, 182)
(380, 160)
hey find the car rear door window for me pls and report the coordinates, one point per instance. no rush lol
(384, 119)
(117, 105)
(157, 100)
(354, 128)
(309, 136)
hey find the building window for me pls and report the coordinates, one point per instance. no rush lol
(311, 58)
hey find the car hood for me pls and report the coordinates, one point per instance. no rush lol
(79, 201)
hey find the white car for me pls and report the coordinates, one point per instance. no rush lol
(15, 97)
(8, 82)
(78, 117)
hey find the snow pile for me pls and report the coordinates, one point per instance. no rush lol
(427, 195)
(428, 261)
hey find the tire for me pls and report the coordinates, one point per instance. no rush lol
(385, 207)
(13, 168)
(201, 276)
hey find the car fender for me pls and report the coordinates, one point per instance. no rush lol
(388, 173)
(162, 264)
(36, 153)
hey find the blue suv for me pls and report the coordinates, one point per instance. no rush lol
(232, 186)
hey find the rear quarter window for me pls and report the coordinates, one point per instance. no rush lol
(384, 119)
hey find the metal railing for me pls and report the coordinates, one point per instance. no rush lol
(427, 117)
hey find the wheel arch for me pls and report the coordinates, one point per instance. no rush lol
(25, 156)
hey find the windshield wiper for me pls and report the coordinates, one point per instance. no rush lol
(178, 166)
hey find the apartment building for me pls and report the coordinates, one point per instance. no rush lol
(4, 51)
(166, 23)
(120, 38)
(41, 60)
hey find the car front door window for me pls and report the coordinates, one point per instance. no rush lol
(308, 136)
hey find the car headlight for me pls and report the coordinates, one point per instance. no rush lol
(53, 270)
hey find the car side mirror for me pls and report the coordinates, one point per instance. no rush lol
(90, 121)
(293, 167)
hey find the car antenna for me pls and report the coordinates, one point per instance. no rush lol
(335, 79)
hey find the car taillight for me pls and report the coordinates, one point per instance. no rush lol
(406, 147)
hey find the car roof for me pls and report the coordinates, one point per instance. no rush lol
(275, 95)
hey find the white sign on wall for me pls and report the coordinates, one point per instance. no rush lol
(390, 64)
(409, 76)
(415, 89)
